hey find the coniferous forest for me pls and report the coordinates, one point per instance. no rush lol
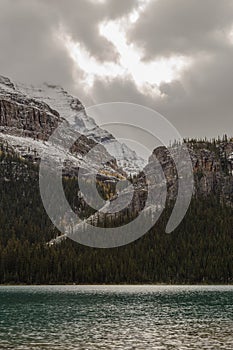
(200, 250)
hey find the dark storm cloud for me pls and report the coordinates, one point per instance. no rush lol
(183, 27)
(199, 102)
(81, 20)
(121, 89)
(30, 51)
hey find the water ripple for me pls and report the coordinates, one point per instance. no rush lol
(116, 317)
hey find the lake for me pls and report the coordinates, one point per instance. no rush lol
(116, 317)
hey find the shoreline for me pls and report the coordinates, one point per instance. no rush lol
(119, 284)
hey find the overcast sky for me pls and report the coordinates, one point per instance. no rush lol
(175, 56)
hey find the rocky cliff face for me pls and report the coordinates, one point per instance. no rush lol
(34, 112)
(27, 120)
(70, 107)
(212, 164)
(23, 116)
(212, 168)
(26, 123)
(28, 116)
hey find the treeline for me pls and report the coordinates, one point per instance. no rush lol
(200, 250)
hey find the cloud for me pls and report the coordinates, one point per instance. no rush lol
(30, 50)
(198, 101)
(199, 104)
(183, 27)
(80, 20)
(119, 90)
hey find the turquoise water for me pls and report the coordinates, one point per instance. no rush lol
(116, 317)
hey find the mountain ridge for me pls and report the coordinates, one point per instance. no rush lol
(71, 108)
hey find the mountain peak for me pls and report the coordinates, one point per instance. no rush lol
(6, 82)
(71, 108)
(59, 103)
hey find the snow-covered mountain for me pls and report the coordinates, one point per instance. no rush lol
(70, 108)
(26, 123)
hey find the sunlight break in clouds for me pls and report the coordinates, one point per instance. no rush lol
(146, 75)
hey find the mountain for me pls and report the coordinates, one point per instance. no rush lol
(212, 164)
(199, 251)
(32, 249)
(29, 115)
(27, 122)
(69, 107)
